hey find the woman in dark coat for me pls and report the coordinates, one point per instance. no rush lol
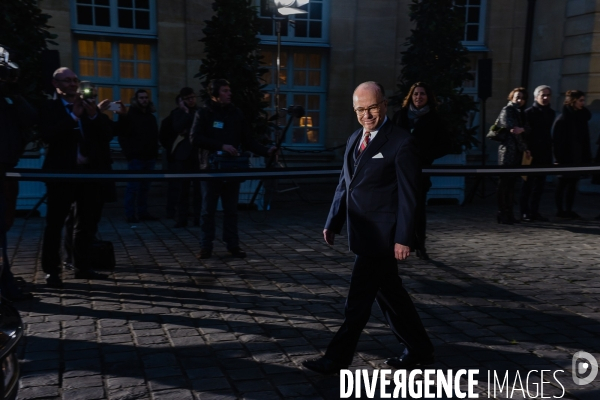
(419, 116)
(571, 136)
(509, 129)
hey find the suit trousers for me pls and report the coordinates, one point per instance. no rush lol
(421, 214)
(377, 279)
(88, 200)
(565, 192)
(136, 193)
(531, 194)
(229, 191)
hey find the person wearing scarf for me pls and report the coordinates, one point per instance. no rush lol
(571, 136)
(510, 129)
(419, 116)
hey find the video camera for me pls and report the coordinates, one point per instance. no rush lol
(9, 71)
(87, 90)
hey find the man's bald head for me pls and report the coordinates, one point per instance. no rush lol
(370, 105)
(66, 83)
(372, 86)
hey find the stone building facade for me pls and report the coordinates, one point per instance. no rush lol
(125, 44)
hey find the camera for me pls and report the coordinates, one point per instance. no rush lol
(87, 90)
(9, 71)
(295, 111)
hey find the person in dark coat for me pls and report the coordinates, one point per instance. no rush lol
(376, 198)
(185, 159)
(17, 117)
(78, 138)
(571, 134)
(419, 116)
(540, 117)
(138, 137)
(220, 126)
(166, 137)
(509, 129)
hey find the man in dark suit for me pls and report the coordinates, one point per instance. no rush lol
(376, 194)
(78, 138)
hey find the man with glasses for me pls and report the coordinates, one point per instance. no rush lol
(376, 196)
(539, 142)
(185, 159)
(138, 137)
(78, 138)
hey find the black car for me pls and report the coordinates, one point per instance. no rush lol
(11, 331)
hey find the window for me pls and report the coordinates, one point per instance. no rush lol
(115, 16)
(311, 27)
(302, 83)
(474, 12)
(118, 68)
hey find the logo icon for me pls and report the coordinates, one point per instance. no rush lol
(583, 363)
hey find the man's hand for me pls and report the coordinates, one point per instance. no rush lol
(90, 108)
(230, 149)
(517, 130)
(183, 106)
(104, 105)
(329, 236)
(401, 252)
(78, 107)
(272, 150)
(528, 154)
(122, 110)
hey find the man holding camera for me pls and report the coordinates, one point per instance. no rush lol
(138, 137)
(17, 117)
(221, 127)
(78, 138)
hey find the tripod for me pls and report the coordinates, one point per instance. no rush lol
(480, 180)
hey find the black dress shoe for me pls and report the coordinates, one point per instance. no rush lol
(323, 366)
(180, 224)
(422, 254)
(148, 217)
(540, 217)
(526, 218)
(54, 281)
(204, 254)
(237, 252)
(409, 361)
(68, 265)
(79, 274)
(18, 296)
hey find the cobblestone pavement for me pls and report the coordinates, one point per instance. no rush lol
(167, 326)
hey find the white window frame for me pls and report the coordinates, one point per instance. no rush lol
(290, 89)
(479, 44)
(114, 29)
(290, 20)
(115, 81)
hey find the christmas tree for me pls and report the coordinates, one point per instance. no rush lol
(231, 52)
(435, 55)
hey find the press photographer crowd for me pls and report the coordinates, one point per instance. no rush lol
(76, 132)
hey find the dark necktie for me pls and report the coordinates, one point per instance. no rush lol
(365, 142)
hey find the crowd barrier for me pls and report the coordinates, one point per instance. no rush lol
(288, 173)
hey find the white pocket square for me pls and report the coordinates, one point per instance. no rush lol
(378, 155)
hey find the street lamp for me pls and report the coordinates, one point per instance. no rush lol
(285, 8)
(290, 7)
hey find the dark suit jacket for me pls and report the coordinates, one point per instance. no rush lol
(59, 131)
(379, 199)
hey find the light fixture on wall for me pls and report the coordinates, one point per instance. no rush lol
(290, 7)
(285, 8)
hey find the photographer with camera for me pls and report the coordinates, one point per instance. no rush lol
(138, 137)
(17, 117)
(77, 135)
(220, 127)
